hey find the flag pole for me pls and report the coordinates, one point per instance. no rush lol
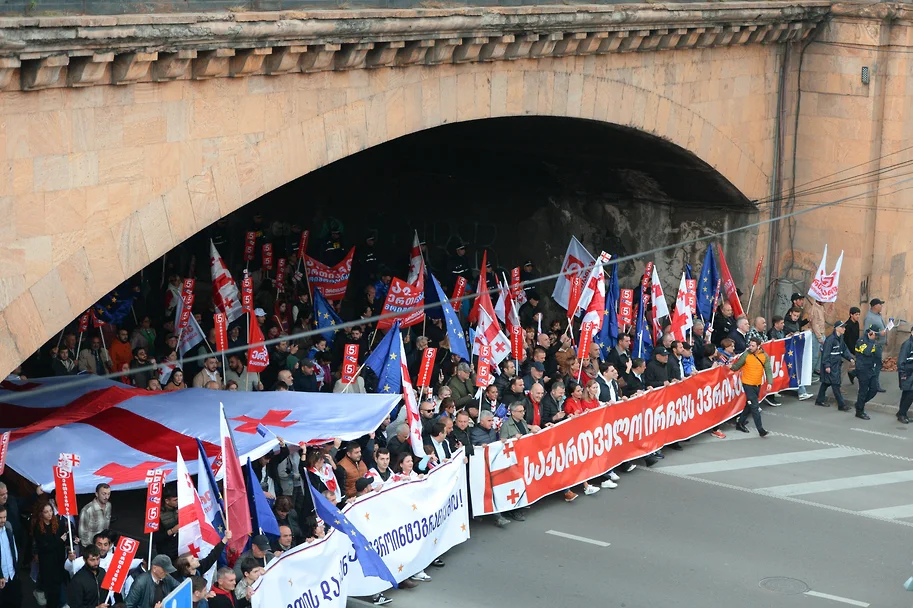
(70, 532)
(149, 563)
(358, 371)
(78, 346)
(101, 333)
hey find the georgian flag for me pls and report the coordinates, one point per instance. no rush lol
(502, 305)
(225, 296)
(412, 413)
(592, 299)
(488, 331)
(416, 263)
(681, 318)
(501, 482)
(195, 534)
(660, 307)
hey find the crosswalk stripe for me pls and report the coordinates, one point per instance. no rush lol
(898, 512)
(841, 483)
(753, 462)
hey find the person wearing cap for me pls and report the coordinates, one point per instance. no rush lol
(874, 319)
(152, 587)
(458, 266)
(851, 334)
(536, 375)
(756, 369)
(868, 356)
(657, 374)
(333, 250)
(259, 550)
(905, 378)
(261, 317)
(529, 309)
(832, 356)
(305, 377)
(528, 273)
(462, 386)
(797, 300)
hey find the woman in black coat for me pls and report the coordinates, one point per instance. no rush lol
(49, 533)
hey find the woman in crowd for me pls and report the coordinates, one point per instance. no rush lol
(50, 542)
(405, 467)
(176, 381)
(286, 516)
(573, 406)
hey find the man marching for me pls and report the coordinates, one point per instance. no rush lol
(868, 362)
(833, 353)
(756, 368)
(905, 376)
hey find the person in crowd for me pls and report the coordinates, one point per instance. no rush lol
(437, 439)
(285, 542)
(758, 329)
(462, 385)
(723, 324)
(515, 391)
(675, 365)
(536, 374)
(657, 373)
(84, 589)
(287, 516)
(851, 335)
(905, 378)
(868, 357)
(166, 537)
(484, 432)
(245, 379)
(381, 473)
(150, 589)
(725, 354)
(96, 516)
(305, 378)
(199, 591)
(551, 409)
(835, 351)
(504, 380)
(874, 319)
(698, 340)
(259, 551)
(756, 367)
(350, 468)
(141, 371)
(121, 351)
(11, 587)
(490, 398)
(399, 443)
(209, 373)
(175, 381)
(447, 408)
(461, 436)
(144, 335)
(250, 572)
(739, 334)
(223, 589)
(189, 565)
(636, 380)
(63, 365)
(49, 543)
(405, 467)
(816, 319)
(95, 359)
(777, 329)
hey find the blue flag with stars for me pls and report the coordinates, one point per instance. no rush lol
(115, 306)
(795, 348)
(608, 334)
(451, 320)
(384, 361)
(325, 317)
(643, 342)
(706, 285)
(371, 563)
(261, 515)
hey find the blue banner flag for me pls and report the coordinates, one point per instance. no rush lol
(181, 597)
(451, 321)
(384, 361)
(608, 334)
(706, 285)
(261, 515)
(115, 306)
(795, 347)
(371, 563)
(325, 317)
(643, 343)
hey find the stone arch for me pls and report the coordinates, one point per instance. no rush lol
(229, 141)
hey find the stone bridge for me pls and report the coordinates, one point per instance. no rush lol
(122, 136)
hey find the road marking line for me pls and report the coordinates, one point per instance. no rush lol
(837, 598)
(897, 512)
(838, 445)
(798, 501)
(752, 462)
(841, 483)
(880, 434)
(582, 539)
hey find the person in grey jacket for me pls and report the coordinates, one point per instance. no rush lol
(484, 433)
(833, 353)
(905, 378)
(150, 588)
(874, 319)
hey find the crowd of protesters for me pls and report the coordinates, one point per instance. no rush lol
(545, 385)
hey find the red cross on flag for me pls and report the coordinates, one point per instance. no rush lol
(592, 299)
(681, 318)
(225, 295)
(488, 331)
(502, 485)
(195, 534)
(416, 262)
(412, 414)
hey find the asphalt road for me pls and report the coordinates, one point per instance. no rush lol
(826, 502)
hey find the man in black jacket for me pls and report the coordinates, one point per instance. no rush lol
(851, 335)
(551, 410)
(657, 374)
(635, 380)
(723, 324)
(460, 437)
(84, 589)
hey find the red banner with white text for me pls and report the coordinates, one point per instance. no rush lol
(509, 474)
(119, 569)
(332, 282)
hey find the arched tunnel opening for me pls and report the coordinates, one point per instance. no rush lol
(518, 188)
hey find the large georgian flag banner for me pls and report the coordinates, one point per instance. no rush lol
(121, 432)
(409, 524)
(506, 475)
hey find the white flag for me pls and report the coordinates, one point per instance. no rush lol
(592, 298)
(416, 263)
(577, 259)
(660, 307)
(225, 296)
(681, 318)
(824, 287)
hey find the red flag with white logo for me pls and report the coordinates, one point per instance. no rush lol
(488, 331)
(250, 242)
(406, 301)
(459, 290)
(84, 322)
(729, 288)
(280, 274)
(247, 295)
(119, 569)
(65, 491)
(349, 363)
(257, 355)
(221, 328)
(424, 372)
(267, 256)
(155, 479)
(483, 366)
(626, 307)
(4, 448)
(225, 296)
(332, 282)
(587, 330)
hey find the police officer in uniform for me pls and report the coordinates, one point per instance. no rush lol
(868, 360)
(527, 273)
(905, 376)
(833, 353)
(333, 248)
(459, 267)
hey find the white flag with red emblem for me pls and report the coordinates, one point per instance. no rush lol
(225, 296)
(503, 298)
(412, 413)
(416, 263)
(660, 306)
(196, 535)
(488, 332)
(592, 299)
(681, 318)
(500, 484)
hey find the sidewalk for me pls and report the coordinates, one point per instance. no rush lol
(887, 402)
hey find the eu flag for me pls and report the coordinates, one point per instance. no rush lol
(384, 361)
(371, 563)
(795, 347)
(114, 307)
(262, 517)
(706, 286)
(325, 317)
(608, 334)
(451, 321)
(643, 343)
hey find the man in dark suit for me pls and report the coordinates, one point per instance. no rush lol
(10, 584)
(635, 380)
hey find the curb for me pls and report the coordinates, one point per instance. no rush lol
(883, 408)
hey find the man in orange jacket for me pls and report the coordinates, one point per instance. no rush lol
(756, 368)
